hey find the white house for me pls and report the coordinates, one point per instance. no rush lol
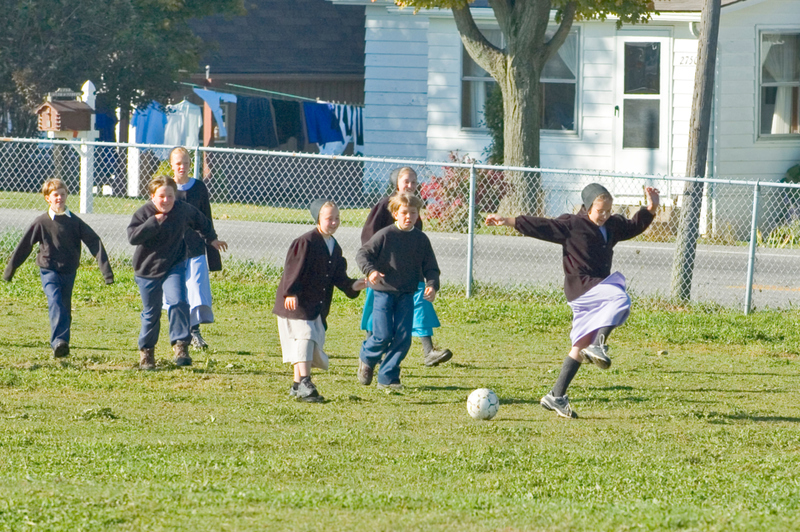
(615, 99)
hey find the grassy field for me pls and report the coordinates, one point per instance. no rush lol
(696, 426)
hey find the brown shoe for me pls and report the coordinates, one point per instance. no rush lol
(147, 358)
(181, 351)
(364, 373)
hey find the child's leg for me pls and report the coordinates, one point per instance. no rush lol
(58, 290)
(373, 348)
(366, 314)
(301, 369)
(151, 293)
(174, 288)
(570, 367)
(398, 349)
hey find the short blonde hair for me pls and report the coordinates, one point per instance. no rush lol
(182, 151)
(53, 184)
(161, 181)
(409, 200)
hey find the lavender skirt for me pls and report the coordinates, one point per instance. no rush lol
(607, 304)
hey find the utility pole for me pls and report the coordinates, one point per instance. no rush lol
(688, 231)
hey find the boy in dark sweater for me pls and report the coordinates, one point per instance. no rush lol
(157, 230)
(314, 265)
(395, 260)
(404, 179)
(59, 234)
(597, 297)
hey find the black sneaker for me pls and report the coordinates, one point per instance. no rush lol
(61, 349)
(181, 351)
(307, 392)
(293, 389)
(559, 405)
(364, 373)
(436, 357)
(197, 340)
(597, 354)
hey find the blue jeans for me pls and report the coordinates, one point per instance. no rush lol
(392, 321)
(58, 289)
(170, 289)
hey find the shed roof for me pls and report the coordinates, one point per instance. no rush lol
(285, 37)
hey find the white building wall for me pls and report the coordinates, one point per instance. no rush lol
(395, 88)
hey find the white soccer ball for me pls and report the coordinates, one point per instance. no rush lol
(483, 404)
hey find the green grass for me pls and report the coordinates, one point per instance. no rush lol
(694, 427)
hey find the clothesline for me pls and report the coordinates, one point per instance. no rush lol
(256, 89)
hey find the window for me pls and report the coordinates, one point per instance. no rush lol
(559, 86)
(780, 84)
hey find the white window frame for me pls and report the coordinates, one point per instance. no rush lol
(760, 84)
(576, 29)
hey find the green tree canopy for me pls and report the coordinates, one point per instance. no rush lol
(133, 50)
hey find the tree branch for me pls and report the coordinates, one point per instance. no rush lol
(555, 42)
(488, 56)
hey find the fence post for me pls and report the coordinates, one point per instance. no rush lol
(751, 259)
(471, 230)
(86, 152)
(133, 172)
(196, 171)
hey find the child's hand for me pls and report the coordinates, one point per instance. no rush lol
(496, 219)
(360, 284)
(430, 294)
(220, 245)
(652, 199)
(290, 303)
(375, 278)
(160, 217)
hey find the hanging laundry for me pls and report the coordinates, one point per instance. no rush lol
(149, 123)
(352, 130)
(254, 123)
(213, 100)
(321, 123)
(289, 122)
(105, 123)
(184, 121)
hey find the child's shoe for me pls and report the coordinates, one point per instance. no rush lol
(61, 349)
(436, 357)
(181, 351)
(198, 341)
(147, 358)
(391, 387)
(307, 392)
(559, 405)
(597, 354)
(293, 389)
(364, 373)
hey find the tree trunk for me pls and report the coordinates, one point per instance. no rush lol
(688, 232)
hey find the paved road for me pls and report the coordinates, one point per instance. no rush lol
(720, 274)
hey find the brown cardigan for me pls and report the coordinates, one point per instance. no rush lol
(310, 273)
(586, 254)
(379, 217)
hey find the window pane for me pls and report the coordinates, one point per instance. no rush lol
(470, 67)
(640, 124)
(779, 110)
(473, 100)
(563, 65)
(780, 54)
(559, 106)
(642, 68)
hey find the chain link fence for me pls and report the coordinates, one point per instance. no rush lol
(749, 233)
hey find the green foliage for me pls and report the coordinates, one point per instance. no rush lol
(493, 114)
(133, 50)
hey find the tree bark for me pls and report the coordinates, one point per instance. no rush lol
(688, 232)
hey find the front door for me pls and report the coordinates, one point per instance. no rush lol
(642, 105)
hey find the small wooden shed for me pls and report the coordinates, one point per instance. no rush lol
(64, 115)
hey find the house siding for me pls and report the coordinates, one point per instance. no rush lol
(395, 88)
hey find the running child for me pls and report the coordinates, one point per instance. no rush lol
(59, 234)
(425, 320)
(157, 230)
(396, 259)
(202, 257)
(597, 297)
(314, 265)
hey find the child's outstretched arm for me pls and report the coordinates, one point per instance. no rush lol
(653, 199)
(497, 220)
(22, 251)
(98, 251)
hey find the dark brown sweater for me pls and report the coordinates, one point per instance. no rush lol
(310, 273)
(586, 254)
(379, 217)
(59, 242)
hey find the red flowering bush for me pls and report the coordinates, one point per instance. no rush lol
(447, 197)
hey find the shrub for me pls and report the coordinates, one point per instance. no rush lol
(447, 197)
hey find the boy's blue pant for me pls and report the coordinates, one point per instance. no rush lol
(170, 289)
(58, 289)
(392, 320)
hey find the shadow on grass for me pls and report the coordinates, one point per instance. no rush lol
(426, 388)
(725, 374)
(758, 419)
